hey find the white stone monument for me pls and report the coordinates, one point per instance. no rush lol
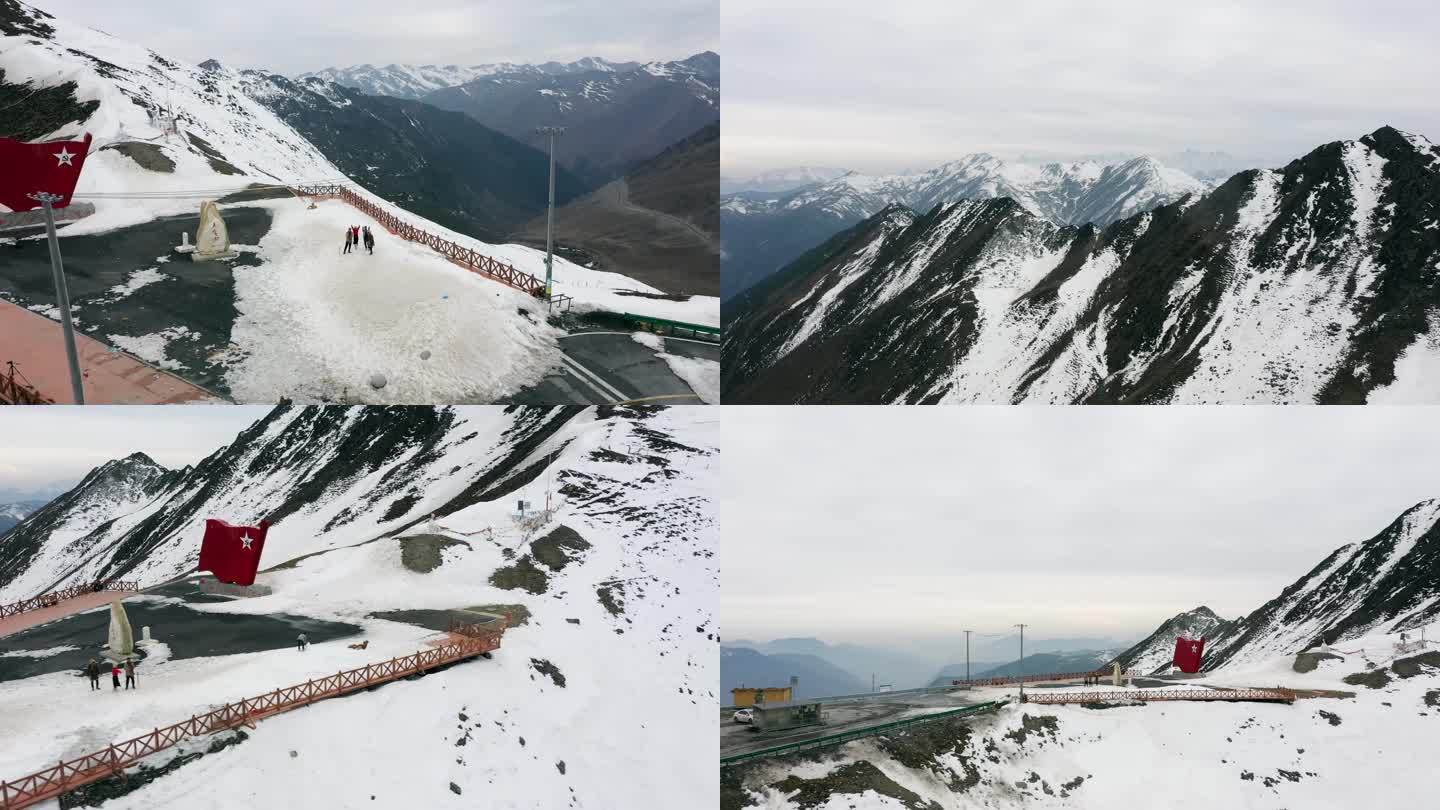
(122, 638)
(1116, 673)
(212, 241)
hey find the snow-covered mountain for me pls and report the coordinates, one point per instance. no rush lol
(1358, 731)
(1317, 282)
(615, 118)
(1387, 584)
(75, 80)
(778, 180)
(764, 232)
(1155, 652)
(60, 535)
(414, 81)
(610, 661)
(444, 166)
(15, 511)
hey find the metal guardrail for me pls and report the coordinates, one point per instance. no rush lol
(470, 640)
(860, 733)
(54, 598)
(468, 257)
(1007, 680)
(657, 324)
(1280, 695)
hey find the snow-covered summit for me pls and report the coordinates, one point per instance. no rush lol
(414, 81)
(158, 125)
(1065, 193)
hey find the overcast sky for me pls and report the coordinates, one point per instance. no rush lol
(898, 524)
(41, 448)
(912, 83)
(294, 37)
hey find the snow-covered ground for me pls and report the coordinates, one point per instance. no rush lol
(1373, 749)
(318, 324)
(639, 685)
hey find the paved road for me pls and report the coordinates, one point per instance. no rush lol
(737, 738)
(606, 367)
(190, 633)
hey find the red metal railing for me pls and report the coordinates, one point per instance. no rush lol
(54, 598)
(1277, 694)
(468, 640)
(19, 392)
(1049, 676)
(463, 256)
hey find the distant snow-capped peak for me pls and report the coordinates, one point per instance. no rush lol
(1065, 193)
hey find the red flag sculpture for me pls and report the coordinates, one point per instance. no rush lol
(232, 553)
(1188, 652)
(30, 168)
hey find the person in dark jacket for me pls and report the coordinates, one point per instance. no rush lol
(114, 677)
(369, 241)
(129, 674)
(92, 671)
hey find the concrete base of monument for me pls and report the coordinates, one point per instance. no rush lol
(211, 585)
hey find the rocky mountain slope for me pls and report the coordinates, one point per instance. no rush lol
(442, 165)
(615, 118)
(659, 223)
(63, 533)
(60, 80)
(766, 231)
(414, 81)
(1387, 584)
(382, 517)
(1312, 283)
(1154, 654)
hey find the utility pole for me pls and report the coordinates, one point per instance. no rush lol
(1022, 662)
(552, 133)
(62, 294)
(967, 657)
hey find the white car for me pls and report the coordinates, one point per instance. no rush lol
(744, 716)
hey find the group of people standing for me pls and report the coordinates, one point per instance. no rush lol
(356, 236)
(92, 670)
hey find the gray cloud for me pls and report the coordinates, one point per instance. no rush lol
(912, 83)
(294, 37)
(57, 446)
(886, 525)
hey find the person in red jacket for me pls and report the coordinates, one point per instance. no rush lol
(114, 676)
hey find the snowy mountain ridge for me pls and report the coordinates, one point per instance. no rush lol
(1065, 193)
(414, 81)
(619, 576)
(1312, 283)
(1387, 584)
(766, 231)
(65, 531)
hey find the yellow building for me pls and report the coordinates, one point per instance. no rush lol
(746, 696)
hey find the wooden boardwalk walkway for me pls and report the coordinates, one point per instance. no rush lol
(463, 641)
(51, 606)
(36, 345)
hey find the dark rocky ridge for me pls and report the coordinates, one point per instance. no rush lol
(909, 348)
